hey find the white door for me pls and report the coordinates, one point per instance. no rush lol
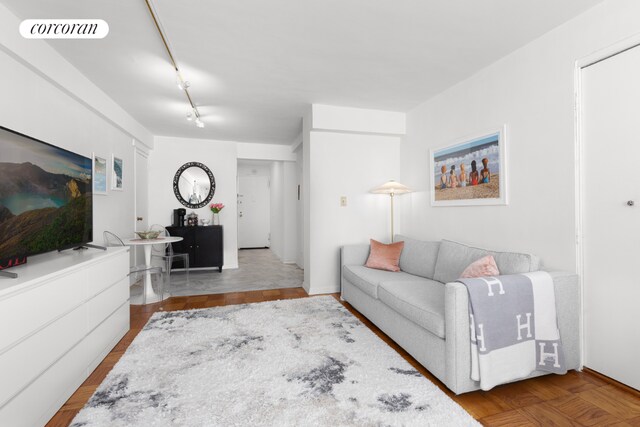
(253, 212)
(611, 215)
(142, 200)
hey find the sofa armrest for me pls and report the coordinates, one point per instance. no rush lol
(569, 311)
(457, 337)
(457, 331)
(354, 254)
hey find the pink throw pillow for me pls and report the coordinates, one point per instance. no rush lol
(384, 257)
(485, 266)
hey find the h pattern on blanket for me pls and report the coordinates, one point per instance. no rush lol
(514, 329)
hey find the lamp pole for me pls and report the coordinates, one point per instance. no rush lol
(391, 188)
(391, 194)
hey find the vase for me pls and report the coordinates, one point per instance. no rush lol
(216, 219)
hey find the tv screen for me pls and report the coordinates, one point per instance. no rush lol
(45, 198)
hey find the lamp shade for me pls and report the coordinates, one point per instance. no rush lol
(391, 187)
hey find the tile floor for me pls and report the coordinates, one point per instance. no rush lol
(259, 269)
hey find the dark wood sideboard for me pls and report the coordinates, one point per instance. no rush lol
(204, 245)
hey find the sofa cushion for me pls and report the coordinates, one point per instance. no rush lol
(418, 257)
(368, 279)
(485, 266)
(454, 257)
(384, 256)
(422, 302)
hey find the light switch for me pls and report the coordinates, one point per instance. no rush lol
(343, 201)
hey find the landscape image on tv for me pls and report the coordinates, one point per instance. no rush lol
(45, 197)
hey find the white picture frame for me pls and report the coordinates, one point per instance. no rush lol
(99, 168)
(117, 167)
(484, 153)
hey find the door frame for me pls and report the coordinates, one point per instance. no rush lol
(138, 149)
(580, 65)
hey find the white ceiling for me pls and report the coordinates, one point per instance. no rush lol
(254, 65)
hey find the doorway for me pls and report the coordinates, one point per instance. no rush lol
(267, 205)
(140, 173)
(609, 212)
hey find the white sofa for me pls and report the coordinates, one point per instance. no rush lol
(424, 309)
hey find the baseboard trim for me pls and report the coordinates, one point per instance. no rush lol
(224, 267)
(323, 291)
(611, 381)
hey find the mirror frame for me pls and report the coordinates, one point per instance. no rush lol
(176, 188)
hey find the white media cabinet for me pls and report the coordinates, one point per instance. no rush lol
(58, 320)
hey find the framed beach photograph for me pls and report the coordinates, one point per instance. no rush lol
(116, 173)
(99, 175)
(470, 171)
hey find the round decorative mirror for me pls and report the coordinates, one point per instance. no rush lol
(194, 185)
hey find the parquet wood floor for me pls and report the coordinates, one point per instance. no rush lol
(575, 399)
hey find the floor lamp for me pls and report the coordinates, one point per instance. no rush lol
(391, 188)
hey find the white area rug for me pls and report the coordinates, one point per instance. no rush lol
(302, 362)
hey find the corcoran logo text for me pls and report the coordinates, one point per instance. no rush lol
(64, 29)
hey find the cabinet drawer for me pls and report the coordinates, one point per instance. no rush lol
(36, 404)
(24, 313)
(27, 360)
(100, 342)
(105, 303)
(106, 273)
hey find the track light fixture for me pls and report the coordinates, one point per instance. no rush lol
(183, 84)
(194, 115)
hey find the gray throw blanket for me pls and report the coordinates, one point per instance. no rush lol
(514, 329)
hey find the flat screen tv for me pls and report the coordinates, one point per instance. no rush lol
(45, 198)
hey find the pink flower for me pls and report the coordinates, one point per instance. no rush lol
(216, 207)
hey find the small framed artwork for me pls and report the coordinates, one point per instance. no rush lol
(470, 171)
(116, 173)
(99, 175)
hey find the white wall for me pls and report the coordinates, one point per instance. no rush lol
(349, 119)
(42, 60)
(252, 167)
(284, 229)
(43, 96)
(306, 200)
(532, 91)
(300, 246)
(289, 212)
(250, 150)
(283, 203)
(345, 164)
(221, 157)
(276, 183)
